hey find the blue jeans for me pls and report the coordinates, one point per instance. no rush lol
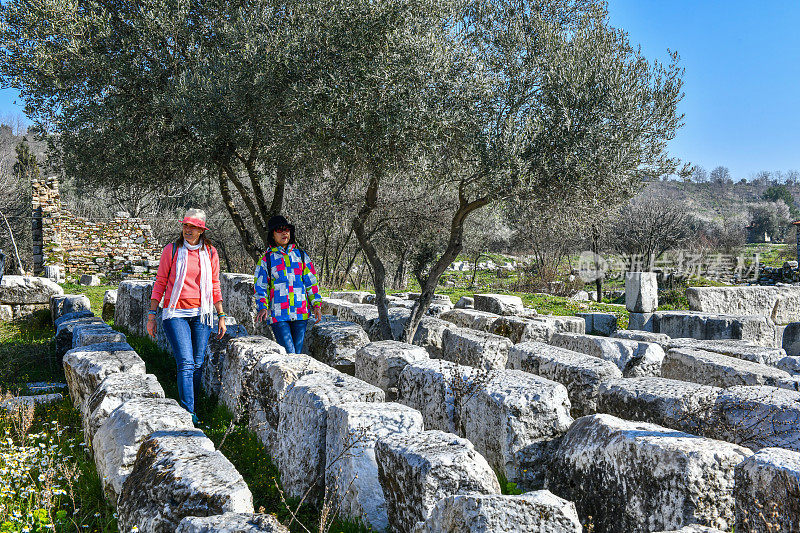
(290, 334)
(188, 338)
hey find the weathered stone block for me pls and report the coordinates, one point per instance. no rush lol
(351, 469)
(356, 297)
(65, 329)
(86, 367)
(133, 301)
(754, 329)
(216, 352)
(599, 323)
(89, 280)
(112, 392)
(398, 319)
(560, 324)
(540, 511)
(635, 359)
(781, 304)
(641, 292)
(790, 364)
(639, 477)
(515, 420)
(117, 440)
(471, 318)
(500, 304)
(767, 485)
(670, 403)
(475, 348)
(694, 528)
(733, 348)
(109, 304)
(418, 469)
(335, 343)
(430, 333)
(242, 355)
(380, 363)
(465, 302)
(303, 426)
(87, 334)
(68, 303)
(178, 474)
(790, 341)
(580, 373)
(641, 321)
(709, 368)
(231, 523)
(641, 336)
(435, 388)
(271, 378)
(27, 290)
(519, 329)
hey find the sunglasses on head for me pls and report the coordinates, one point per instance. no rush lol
(283, 229)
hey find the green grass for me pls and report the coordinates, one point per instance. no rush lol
(773, 255)
(95, 294)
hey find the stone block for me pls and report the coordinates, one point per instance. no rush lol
(6, 313)
(117, 440)
(65, 328)
(109, 304)
(540, 511)
(435, 388)
(767, 485)
(68, 303)
(75, 315)
(471, 318)
(133, 301)
(500, 304)
(791, 339)
(580, 373)
(216, 351)
(416, 470)
(465, 302)
(112, 392)
(641, 292)
(238, 294)
(641, 336)
(641, 321)
(335, 343)
(670, 403)
(757, 417)
(380, 363)
(86, 367)
(303, 426)
(515, 420)
(781, 304)
(732, 348)
(351, 470)
(398, 319)
(271, 378)
(599, 323)
(560, 324)
(89, 280)
(88, 334)
(694, 528)
(717, 370)
(633, 358)
(231, 523)
(27, 290)
(356, 297)
(430, 333)
(475, 348)
(790, 364)
(640, 477)
(236, 367)
(754, 329)
(519, 329)
(178, 474)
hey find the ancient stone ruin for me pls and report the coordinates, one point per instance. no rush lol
(689, 423)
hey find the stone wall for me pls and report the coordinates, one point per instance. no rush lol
(118, 247)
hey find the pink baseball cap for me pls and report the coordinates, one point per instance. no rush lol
(195, 217)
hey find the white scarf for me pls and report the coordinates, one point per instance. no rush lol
(206, 305)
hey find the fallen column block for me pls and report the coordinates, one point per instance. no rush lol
(68, 303)
(242, 354)
(116, 442)
(231, 523)
(605, 463)
(335, 343)
(380, 363)
(515, 421)
(754, 329)
(670, 403)
(767, 485)
(634, 359)
(216, 352)
(86, 367)
(781, 304)
(580, 373)
(133, 302)
(88, 334)
(179, 474)
(475, 348)
(303, 426)
(112, 392)
(417, 470)
(351, 470)
(271, 378)
(540, 510)
(732, 348)
(599, 323)
(64, 329)
(717, 370)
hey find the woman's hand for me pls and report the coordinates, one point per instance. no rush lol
(222, 327)
(318, 312)
(262, 315)
(151, 325)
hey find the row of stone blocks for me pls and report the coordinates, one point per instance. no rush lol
(161, 473)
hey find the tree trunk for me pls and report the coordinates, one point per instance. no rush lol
(14, 243)
(250, 245)
(596, 251)
(371, 254)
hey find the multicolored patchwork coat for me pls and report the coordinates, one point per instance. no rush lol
(285, 277)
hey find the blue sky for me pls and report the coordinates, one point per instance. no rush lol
(742, 61)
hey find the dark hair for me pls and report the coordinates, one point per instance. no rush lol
(271, 237)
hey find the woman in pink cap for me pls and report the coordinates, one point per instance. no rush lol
(188, 280)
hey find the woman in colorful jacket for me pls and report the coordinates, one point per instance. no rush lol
(188, 279)
(286, 286)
